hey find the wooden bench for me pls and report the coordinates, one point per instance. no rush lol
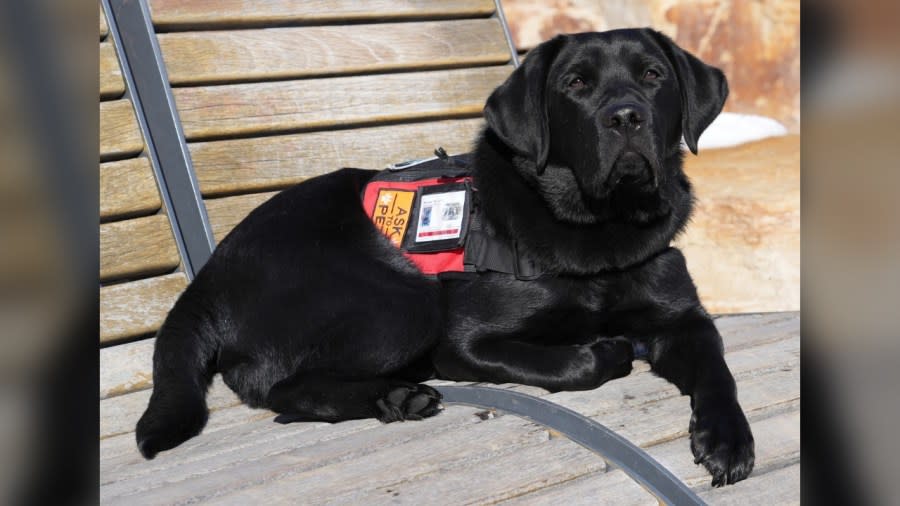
(268, 94)
(469, 455)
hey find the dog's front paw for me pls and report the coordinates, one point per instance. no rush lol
(409, 401)
(721, 440)
(614, 357)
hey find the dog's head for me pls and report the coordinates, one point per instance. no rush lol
(597, 118)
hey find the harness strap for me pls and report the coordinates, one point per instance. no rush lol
(486, 252)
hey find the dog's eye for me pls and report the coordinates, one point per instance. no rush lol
(576, 83)
(651, 75)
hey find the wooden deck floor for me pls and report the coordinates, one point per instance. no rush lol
(466, 455)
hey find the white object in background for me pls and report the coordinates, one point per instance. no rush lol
(731, 129)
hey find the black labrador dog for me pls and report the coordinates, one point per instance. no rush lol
(306, 309)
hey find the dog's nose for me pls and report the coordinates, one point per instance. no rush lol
(623, 117)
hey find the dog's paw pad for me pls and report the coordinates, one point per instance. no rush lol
(389, 412)
(409, 402)
(722, 442)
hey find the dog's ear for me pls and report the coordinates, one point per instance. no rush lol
(703, 89)
(517, 110)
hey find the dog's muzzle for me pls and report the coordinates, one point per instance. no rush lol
(633, 169)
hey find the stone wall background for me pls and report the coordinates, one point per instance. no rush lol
(755, 42)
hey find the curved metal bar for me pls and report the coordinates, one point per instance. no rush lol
(617, 450)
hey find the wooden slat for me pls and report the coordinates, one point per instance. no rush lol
(781, 486)
(137, 248)
(498, 479)
(119, 132)
(246, 109)
(133, 309)
(469, 471)
(268, 163)
(247, 55)
(359, 466)
(277, 442)
(119, 453)
(227, 212)
(111, 83)
(128, 367)
(307, 454)
(645, 421)
(243, 457)
(104, 28)
(460, 454)
(238, 166)
(178, 14)
(122, 443)
(485, 472)
(124, 410)
(128, 189)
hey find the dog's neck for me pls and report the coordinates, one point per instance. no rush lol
(515, 210)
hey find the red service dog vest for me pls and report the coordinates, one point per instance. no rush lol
(424, 209)
(428, 208)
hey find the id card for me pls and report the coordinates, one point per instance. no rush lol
(441, 216)
(440, 219)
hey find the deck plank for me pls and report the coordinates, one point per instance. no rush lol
(132, 309)
(128, 189)
(135, 380)
(777, 444)
(118, 420)
(507, 452)
(178, 14)
(270, 163)
(128, 367)
(209, 112)
(329, 467)
(781, 486)
(112, 85)
(781, 357)
(120, 135)
(758, 395)
(254, 441)
(321, 462)
(466, 460)
(271, 53)
(344, 468)
(138, 247)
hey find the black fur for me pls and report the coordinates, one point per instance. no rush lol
(306, 309)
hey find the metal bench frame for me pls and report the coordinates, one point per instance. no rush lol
(147, 84)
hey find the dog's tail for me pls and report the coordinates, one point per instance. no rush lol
(183, 367)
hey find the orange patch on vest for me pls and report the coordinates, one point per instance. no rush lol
(392, 212)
